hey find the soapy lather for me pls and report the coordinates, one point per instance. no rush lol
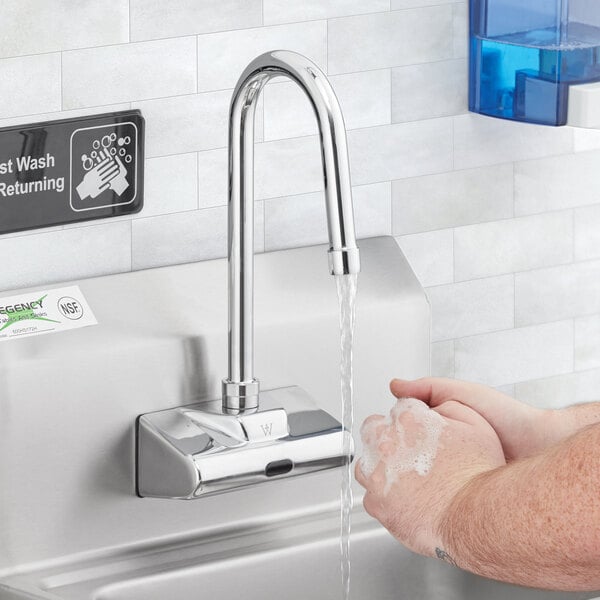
(387, 440)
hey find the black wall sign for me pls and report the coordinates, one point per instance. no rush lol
(71, 170)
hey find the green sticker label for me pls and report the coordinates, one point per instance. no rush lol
(36, 313)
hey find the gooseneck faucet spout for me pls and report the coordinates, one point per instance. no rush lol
(240, 388)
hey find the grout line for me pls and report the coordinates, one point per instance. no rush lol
(453, 255)
(514, 279)
(514, 190)
(453, 144)
(129, 18)
(574, 236)
(197, 180)
(197, 68)
(131, 244)
(62, 80)
(506, 330)
(453, 358)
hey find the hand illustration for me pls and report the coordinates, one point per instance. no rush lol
(99, 178)
(119, 184)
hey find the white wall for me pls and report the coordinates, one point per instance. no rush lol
(500, 221)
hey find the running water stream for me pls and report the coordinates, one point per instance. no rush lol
(346, 286)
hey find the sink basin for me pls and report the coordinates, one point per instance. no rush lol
(296, 561)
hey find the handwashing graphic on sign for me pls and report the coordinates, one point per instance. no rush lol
(104, 166)
(103, 170)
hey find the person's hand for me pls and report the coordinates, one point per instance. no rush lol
(416, 461)
(522, 429)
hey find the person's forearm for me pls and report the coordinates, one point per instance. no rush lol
(534, 522)
(568, 421)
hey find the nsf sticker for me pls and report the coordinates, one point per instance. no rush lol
(36, 313)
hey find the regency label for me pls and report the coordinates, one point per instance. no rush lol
(36, 313)
(71, 170)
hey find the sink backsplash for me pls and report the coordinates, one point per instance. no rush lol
(500, 221)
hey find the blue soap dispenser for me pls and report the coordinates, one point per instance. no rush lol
(528, 58)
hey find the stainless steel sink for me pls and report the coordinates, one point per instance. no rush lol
(296, 561)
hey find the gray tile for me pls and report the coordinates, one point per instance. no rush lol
(364, 98)
(558, 293)
(73, 253)
(288, 167)
(186, 123)
(153, 19)
(480, 141)
(513, 245)
(171, 185)
(185, 237)
(431, 256)
(516, 355)
(509, 389)
(129, 72)
(38, 26)
(302, 221)
(430, 90)
(587, 343)
(30, 84)
(179, 238)
(587, 233)
(460, 22)
(586, 139)
(452, 199)
(473, 307)
(403, 150)
(212, 178)
(442, 359)
(557, 182)
(63, 114)
(284, 11)
(223, 56)
(561, 391)
(404, 4)
(390, 39)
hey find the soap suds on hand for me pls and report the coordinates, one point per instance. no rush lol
(401, 450)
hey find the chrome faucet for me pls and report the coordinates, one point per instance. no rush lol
(241, 389)
(216, 446)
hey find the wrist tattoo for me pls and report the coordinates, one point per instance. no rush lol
(443, 555)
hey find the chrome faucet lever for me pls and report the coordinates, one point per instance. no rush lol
(224, 444)
(240, 388)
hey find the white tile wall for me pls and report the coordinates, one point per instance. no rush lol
(587, 343)
(442, 359)
(557, 293)
(500, 221)
(431, 256)
(453, 199)
(30, 85)
(562, 390)
(483, 141)
(472, 307)
(390, 39)
(111, 74)
(284, 11)
(153, 19)
(516, 355)
(556, 182)
(223, 56)
(37, 26)
(364, 98)
(513, 245)
(431, 90)
(587, 232)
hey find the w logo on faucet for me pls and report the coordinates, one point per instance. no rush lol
(267, 429)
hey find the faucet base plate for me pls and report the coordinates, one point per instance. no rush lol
(198, 450)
